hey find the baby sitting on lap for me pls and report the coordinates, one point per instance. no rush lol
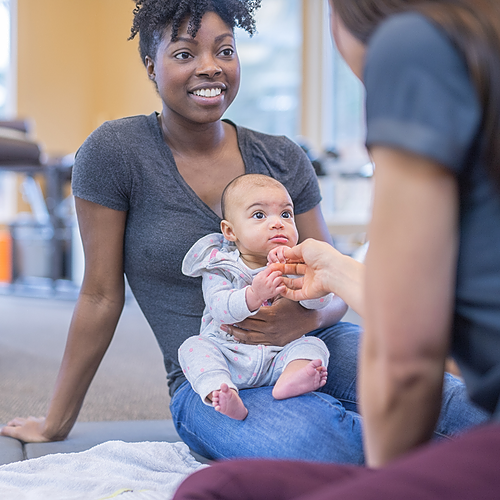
(258, 223)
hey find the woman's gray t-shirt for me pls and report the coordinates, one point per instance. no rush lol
(420, 98)
(126, 165)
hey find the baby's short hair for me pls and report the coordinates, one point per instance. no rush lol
(250, 180)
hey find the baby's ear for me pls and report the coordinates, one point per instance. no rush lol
(227, 230)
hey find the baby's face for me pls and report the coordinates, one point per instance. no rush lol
(262, 218)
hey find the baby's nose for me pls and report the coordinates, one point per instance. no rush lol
(277, 222)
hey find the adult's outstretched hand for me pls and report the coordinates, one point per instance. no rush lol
(322, 269)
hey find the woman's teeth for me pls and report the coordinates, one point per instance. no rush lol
(207, 92)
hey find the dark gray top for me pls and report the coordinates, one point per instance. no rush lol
(126, 165)
(420, 99)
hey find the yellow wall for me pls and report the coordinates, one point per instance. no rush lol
(76, 69)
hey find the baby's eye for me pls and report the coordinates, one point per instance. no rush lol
(287, 214)
(259, 215)
(183, 55)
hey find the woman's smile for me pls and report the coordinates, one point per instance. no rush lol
(207, 92)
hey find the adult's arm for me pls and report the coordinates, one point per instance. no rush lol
(92, 326)
(410, 280)
(287, 320)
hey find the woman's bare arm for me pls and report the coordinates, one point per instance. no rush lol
(286, 320)
(92, 327)
(410, 280)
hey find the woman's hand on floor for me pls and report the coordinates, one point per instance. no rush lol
(28, 430)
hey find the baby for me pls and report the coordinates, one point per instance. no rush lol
(258, 223)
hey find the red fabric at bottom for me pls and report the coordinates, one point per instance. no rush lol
(467, 468)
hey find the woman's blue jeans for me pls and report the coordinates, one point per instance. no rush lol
(320, 426)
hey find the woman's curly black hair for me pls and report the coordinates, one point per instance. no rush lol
(152, 17)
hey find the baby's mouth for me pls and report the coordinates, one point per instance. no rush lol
(279, 237)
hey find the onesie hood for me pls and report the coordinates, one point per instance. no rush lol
(208, 253)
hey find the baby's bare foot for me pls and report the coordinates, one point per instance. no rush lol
(228, 402)
(308, 378)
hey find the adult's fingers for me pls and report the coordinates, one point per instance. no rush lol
(247, 336)
(28, 430)
(293, 283)
(295, 295)
(289, 268)
(294, 253)
(17, 421)
(10, 431)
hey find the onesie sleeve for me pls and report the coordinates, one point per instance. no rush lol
(226, 303)
(100, 173)
(317, 303)
(419, 96)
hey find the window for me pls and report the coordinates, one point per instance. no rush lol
(5, 58)
(269, 95)
(342, 95)
(274, 82)
(347, 116)
(8, 191)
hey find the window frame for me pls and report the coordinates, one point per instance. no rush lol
(11, 102)
(322, 67)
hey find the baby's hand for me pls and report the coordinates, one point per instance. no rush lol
(266, 285)
(277, 255)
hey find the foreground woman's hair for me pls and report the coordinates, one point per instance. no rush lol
(472, 25)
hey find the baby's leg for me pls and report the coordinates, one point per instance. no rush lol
(206, 368)
(300, 376)
(228, 402)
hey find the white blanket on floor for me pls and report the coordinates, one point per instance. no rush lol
(127, 471)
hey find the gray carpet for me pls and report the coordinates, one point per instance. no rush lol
(130, 383)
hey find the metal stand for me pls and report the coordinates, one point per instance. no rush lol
(56, 175)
